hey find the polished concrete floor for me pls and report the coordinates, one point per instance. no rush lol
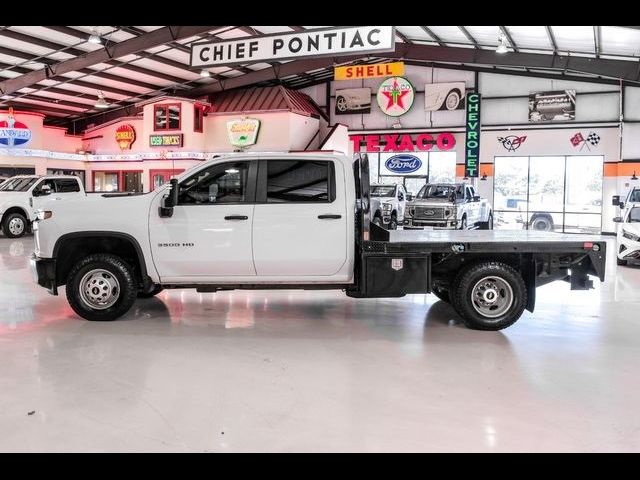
(306, 371)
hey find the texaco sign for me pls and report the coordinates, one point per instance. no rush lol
(395, 96)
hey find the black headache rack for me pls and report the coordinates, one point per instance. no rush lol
(393, 267)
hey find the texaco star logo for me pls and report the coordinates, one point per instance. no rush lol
(395, 96)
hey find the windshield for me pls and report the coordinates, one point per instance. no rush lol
(17, 184)
(635, 195)
(437, 191)
(634, 215)
(383, 191)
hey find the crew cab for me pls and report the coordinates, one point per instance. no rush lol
(448, 206)
(22, 195)
(628, 241)
(388, 204)
(293, 221)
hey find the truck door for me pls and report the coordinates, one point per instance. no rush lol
(300, 220)
(39, 197)
(473, 208)
(209, 234)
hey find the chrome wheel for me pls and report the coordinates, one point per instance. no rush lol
(492, 297)
(16, 226)
(99, 289)
(341, 104)
(452, 101)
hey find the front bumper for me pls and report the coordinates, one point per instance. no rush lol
(441, 224)
(43, 271)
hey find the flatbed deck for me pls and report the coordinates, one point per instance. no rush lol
(488, 236)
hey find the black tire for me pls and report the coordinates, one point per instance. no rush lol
(488, 225)
(467, 284)
(541, 223)
(393, 224)
(621, 262)
(463, 222)
(113, 265)
(11, 221)
(442, 294)
(156, 290)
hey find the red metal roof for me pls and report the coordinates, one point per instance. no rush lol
(264, 99)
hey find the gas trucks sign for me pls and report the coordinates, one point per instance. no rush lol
(322, 42)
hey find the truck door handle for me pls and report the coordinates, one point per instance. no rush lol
(328, 216)
(236, 217)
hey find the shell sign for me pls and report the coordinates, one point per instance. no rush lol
(12, 132)
(125, 136)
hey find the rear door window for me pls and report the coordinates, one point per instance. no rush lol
(299, 181)
(67, 185)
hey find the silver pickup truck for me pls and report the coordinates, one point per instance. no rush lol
(448, 206)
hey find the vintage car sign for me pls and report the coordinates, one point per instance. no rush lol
(395, 96)
(125, 136)
(244, 132)
(403, 164)
(12, 132)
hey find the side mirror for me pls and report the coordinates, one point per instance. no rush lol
(409, 197)
(615, 200)
(171, 200)
(476, 198)
(45, 190)
(617, 219)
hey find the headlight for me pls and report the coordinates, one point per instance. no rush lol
(44, 214)
(630, 236)
(386, 207)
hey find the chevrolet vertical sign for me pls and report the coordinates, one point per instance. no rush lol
(472, 138)
(322, 42)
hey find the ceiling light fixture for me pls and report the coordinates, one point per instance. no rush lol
(101, 102)
(94, 37)
(205, 73)
(502, 47)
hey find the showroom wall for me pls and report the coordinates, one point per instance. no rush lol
(505, 113)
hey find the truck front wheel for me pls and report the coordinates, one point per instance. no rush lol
(101, 287)
(490, 296)
(14, 225)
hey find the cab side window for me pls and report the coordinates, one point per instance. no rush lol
(400, 194)
(219, 184)
(300, 181)
(67, 185)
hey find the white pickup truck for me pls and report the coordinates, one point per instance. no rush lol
(448, 206)
(294, 221)
(22, 195)
(388, 204)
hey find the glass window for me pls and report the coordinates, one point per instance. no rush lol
(105, 182)
(221, 183)
(383, 191)
(18, 184)
(198, 115)
(442, 167)
(634, 215)
(166, 117)
(299, 181)
(635, 195)
(67, 185)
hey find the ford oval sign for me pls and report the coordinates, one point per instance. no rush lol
(403, 164)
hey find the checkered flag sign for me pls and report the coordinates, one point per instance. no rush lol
(593, 138)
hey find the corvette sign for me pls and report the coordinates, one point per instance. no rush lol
(321, 42)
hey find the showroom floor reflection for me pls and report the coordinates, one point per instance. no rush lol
(299, 371)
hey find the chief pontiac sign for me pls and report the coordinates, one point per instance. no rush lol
(323, 42)
(243, 133)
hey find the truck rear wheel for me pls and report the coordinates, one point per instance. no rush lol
(101, 287)
(14, 225)
(490, 295)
